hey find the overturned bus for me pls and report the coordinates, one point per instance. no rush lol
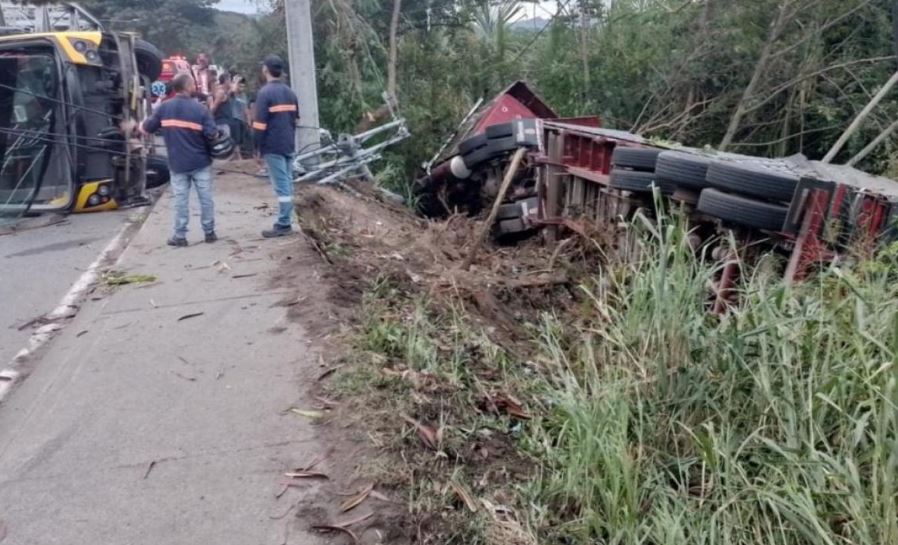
(68, 92)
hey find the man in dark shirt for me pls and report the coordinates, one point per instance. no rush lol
(187, 128)
(274, 121)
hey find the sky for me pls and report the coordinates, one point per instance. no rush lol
(240, 6)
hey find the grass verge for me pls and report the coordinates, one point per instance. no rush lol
(637, 416)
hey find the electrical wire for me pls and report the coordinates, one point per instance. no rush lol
(46, 137)
(60, 101)
(91, 110)
(96, 149)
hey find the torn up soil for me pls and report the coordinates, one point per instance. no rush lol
(427, 362)
(366, 240)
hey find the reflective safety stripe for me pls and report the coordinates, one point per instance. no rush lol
(180, 124)
(259, 126)
(285, 199)
(282, 108)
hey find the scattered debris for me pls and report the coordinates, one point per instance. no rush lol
(326, 403)
(505, 403)
(313, 463)
(179, 375)
(306, 475)
(429, 436)
(315, 415)
(357, 500)
(329, 371)
(120, 278)
(380, 496)
(343, 527)
(287, 512)
(462, 492)
(40, 320)
(335, 528)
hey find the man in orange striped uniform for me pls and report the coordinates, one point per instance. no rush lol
(188, 129)
(274, 121)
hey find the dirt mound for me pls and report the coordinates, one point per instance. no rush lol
(368, 240)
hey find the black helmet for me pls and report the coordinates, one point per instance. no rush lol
(222, 146)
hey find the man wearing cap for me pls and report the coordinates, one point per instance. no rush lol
(187, 128)
(274, 122)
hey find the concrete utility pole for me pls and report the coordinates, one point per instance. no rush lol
(301, 44)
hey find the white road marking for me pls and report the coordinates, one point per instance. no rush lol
(67, 307)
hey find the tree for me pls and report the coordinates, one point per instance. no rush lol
(176, 26)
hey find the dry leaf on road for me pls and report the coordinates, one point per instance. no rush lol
(464, 496)
(356, 500)
(306, 475)
(428, 435)
(307, 413)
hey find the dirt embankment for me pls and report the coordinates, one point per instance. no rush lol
(427, 360)
(366, 240)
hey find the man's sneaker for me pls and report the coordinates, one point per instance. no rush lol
(277, 231)
(211, 237)
(177, 242)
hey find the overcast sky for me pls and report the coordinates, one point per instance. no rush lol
(240, 6)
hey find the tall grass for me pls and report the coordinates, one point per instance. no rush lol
(774, 424)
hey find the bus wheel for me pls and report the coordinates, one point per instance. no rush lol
(157, 172)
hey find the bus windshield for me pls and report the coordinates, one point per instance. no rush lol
(34, 165)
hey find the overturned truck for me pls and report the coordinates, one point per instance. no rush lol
(579, 176)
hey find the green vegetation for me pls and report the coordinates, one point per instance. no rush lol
(763, 77)
(657, 422)
(773, 424)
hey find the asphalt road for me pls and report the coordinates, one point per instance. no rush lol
(39, 265)
(160, 414)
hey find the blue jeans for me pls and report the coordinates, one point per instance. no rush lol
(202, 180)
(280, 172)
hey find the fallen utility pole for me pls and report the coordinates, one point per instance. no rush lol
(873, 145)
(301, 47)
(477, 240)
(849, 132)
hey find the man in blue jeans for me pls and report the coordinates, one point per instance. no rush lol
(188, 128)
(274, 121)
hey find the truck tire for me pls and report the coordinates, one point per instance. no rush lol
(500, 130)
(508, 144)
(635, 158)
(640, 182)
(149, 59)
(682, 169)
(470, 144)
(753, 180)
(742, 210)
(476, 157)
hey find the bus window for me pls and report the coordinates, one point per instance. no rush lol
(34, 168)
